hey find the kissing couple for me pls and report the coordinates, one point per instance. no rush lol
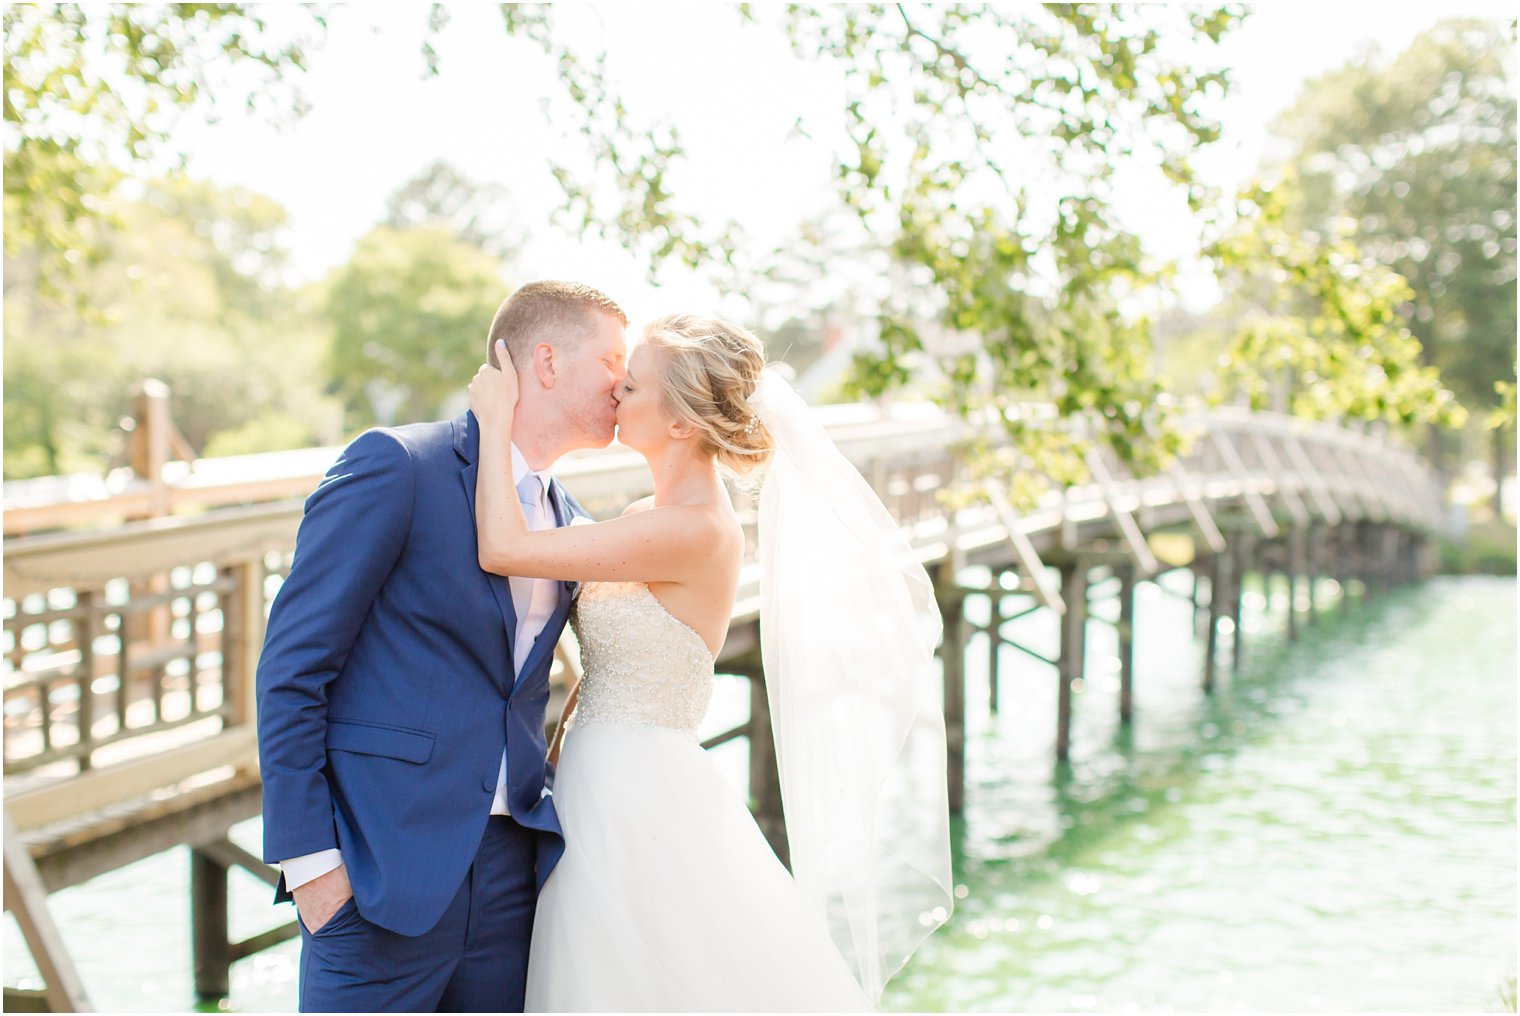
(405, 678)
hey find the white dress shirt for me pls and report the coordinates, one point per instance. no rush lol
(533, 600)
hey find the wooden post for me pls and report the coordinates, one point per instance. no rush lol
(149, 446)
(1424, 556)
(1341, 560)
(85, 631)
(1243, 549)
(26, 898)
(994, 639)
(208, 926)
(1070, 663)
(764, 779)
(1356, 556)
(1219, 583)
(1388, 562)
(151, 440)
(1314, 542)
(1126, 631)
(1266, 573)
(952, 654)
(1200, 609)
(1294, 570)
(242, 637)
(1366, 558)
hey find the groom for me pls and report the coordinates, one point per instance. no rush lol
(401, 691)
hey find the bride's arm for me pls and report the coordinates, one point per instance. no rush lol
(669, 544)
(499, 519)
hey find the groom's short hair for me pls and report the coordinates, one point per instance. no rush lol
(560, 313)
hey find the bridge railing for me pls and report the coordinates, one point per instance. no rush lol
(121, 646)
(132, 641)
(1318, 471)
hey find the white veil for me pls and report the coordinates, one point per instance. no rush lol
(848, 629)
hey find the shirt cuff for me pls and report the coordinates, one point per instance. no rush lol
(300, 870)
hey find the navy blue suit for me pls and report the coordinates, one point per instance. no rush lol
(386, 695)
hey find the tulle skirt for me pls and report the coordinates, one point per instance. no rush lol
(668, 897)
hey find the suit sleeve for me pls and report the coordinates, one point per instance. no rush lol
(353, 532)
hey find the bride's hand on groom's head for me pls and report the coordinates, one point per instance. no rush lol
(493, 393)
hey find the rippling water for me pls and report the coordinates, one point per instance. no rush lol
(1333, 829)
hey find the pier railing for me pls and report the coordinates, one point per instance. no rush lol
(150, 633)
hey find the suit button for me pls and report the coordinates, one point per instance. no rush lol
(489, 786)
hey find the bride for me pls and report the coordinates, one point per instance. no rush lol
(668, 897)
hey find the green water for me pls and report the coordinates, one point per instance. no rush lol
(1333, 829)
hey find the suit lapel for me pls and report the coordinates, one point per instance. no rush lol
(467, 444)
(544, 647)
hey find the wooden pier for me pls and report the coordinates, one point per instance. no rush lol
(130, 653)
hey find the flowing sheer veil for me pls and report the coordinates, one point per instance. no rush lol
(848, 626)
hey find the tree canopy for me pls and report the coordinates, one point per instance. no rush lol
(977, 176)
(92, 88)
(182, 292)
(981, 154)
(1415, 158)
(477, 213)
(410, 311)
(950, 112)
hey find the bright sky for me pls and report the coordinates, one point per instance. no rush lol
(733, 90)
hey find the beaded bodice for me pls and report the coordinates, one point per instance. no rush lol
(642, 665)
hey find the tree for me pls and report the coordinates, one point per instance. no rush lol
(949, 111)
(977, 164)
(181, 293)
(441, 196)
(1014, 289)
(1418, 154)
(410, 313)
(91, 89)
(1319, 333)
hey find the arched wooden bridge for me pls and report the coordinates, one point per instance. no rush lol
(130, 651)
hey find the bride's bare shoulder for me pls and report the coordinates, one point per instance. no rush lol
(640, 505)
(721, 512)
(715, 523)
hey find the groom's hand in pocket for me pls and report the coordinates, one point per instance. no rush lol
(319, 899)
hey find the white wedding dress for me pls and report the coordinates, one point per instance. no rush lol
(668, 897)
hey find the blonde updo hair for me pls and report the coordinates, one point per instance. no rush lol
(711, 368)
